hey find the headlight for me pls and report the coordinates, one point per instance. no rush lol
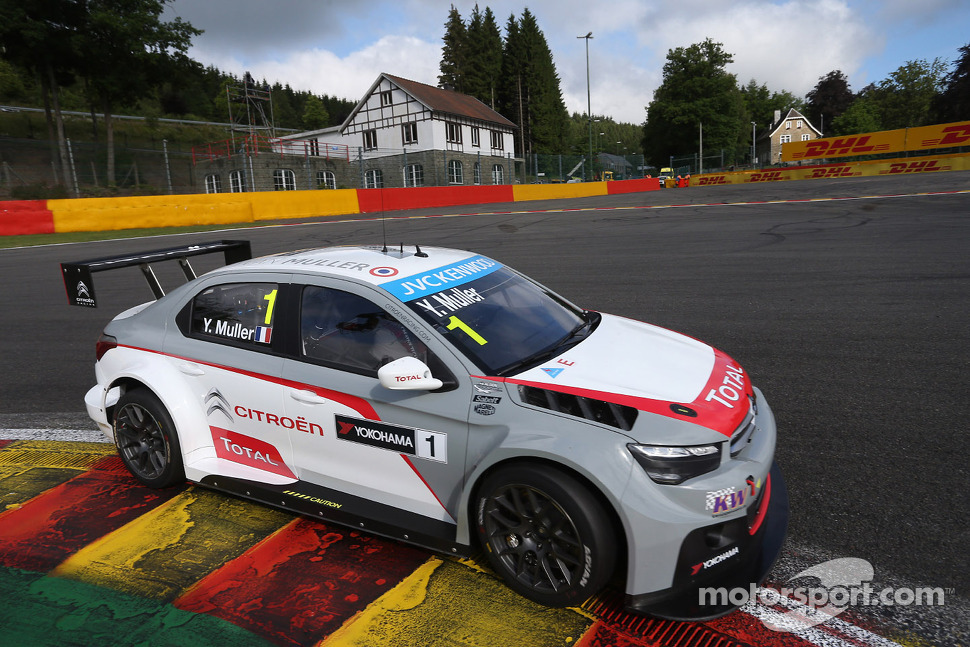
(673, 465)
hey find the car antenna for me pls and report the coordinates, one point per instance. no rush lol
(419, 253)
(383, 223)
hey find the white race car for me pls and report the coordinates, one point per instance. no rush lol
(439, 397)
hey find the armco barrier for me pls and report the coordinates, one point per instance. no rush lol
(140, 212)
(20, 217)
(524, 192)
(373, 200)
(281, 205)
(633, 186)
(103, 214)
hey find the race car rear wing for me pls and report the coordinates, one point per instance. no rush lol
(80, 286)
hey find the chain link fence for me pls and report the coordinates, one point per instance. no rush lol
(33, 169)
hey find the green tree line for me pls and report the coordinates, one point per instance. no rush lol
(111, 57)
(698, 95)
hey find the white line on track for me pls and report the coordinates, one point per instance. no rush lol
(67, 435)
(834, 632)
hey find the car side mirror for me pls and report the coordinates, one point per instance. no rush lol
(407, 374)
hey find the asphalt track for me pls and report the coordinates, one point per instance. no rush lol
(846, 300)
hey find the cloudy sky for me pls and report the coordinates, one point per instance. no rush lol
(339, 47)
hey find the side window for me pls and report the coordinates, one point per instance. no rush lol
(236, 314)
(346, 331)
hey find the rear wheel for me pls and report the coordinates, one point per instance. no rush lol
(545, 534)
(146, 439)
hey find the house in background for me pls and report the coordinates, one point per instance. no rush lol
(794, 127)
(401, 134)
(405, 133)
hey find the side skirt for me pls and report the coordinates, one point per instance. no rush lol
(354, 512)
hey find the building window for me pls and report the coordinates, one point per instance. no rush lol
(386, 98)
(798, 124)
(453, 133)
(326, 180)
(806, 137)
(478, 173)
(284, 180)
(498, 174)
(413, 175)
(409, 133)
(476, 140)
(370, 140)
(237, 182)
(498, 142)
(788, 125)
(374, 179)
(784, 139)
(213, 184)
(455, 173)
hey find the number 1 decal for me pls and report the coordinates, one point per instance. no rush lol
(271, 297)
(432, 445)
(455, 322)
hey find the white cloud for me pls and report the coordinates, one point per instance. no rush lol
(339, 48)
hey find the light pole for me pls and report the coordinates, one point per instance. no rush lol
(589, 109)
(752, 145)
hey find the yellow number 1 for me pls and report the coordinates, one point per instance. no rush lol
(455, 322)
(271, 297)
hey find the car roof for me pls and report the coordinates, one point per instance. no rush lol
(372, 264)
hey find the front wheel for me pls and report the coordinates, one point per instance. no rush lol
(545, 534)
(146, 439)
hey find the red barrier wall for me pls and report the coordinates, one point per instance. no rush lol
(19, 217)
(372, 200)
(632, 186)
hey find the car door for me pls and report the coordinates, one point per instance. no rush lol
(398, 454)
(230, 358)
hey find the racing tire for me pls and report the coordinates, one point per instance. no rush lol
(545, 534)
(146, 439)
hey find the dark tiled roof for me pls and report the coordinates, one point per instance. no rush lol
(450, 102)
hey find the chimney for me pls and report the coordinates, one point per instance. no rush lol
(777, 117)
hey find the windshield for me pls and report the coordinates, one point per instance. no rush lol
(502, 321)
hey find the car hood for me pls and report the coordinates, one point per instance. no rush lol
(652, 369)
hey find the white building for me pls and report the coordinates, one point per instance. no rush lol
(405, 133)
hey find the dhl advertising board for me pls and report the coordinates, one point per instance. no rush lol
(903, 166)
(886, 141)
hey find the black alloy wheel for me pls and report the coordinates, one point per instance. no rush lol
(146, 439)
(545, 534)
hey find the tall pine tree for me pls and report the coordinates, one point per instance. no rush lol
(530, 95)
(483, 63)
(453, 54)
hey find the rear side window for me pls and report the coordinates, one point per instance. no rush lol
(236, 313)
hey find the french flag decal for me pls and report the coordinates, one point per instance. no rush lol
(263, 334)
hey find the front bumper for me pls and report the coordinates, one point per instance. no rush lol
(739, 553)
